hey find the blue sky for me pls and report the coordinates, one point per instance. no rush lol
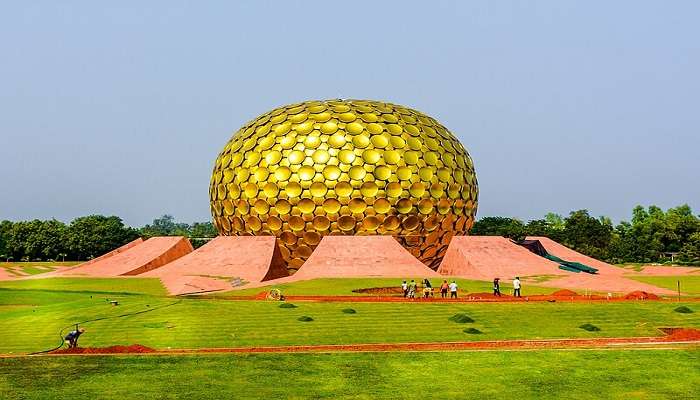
(122, 108)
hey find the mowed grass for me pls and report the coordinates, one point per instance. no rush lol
(166, 322)
(690, 284)
(345, 287)
(584, 374)
(151, 286)
(35, 267)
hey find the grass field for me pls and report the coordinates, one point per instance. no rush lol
(585, 374)
(40, 309)
(345, 287)
(35, 267)
(690, 284)
(150, 286)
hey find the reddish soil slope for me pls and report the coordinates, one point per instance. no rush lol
(116, 251)
(362, 256)
(567, 254)
(608, 279)
(488, 257)
(151, 254)
(213, 266)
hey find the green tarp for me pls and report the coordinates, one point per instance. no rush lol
(571, 265)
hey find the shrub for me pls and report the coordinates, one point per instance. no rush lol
(305, 318)
(683, 310)
(287, 305)
(460, 318)
(349, 311)
(589, 328)
(472, 331)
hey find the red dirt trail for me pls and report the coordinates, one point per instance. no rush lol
(132, 349)
(384, 296)
(673, 336)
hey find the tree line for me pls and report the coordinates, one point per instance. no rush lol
(86, 237)
(652, 235)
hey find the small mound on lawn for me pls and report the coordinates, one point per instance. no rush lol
(461, 318)
(683, 310)
(349, 311)
(565, 292)
(472, 331)
(287, 305)
(589, 328)
(134, 348)
(641, 295)
(305, 318)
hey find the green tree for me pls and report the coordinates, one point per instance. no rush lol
(690, 252)
(201, 230)
(94, 235)
(5, 228)
(165, 226)
(499, 226)
(36, 239)
(587, 234)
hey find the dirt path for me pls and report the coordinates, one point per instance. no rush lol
(673, 338)
(464, 298)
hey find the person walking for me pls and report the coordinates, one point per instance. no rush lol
(497, 287)
(516, 286)
(453, 290)
(444, 288)
(412, 289)
(404, 287)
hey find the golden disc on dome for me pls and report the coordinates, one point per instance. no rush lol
(346, 223)
(293, 189)
(296, 223)
(318, 189)
(331, 206)
(306, 206)
(382, 172)
(343, 189)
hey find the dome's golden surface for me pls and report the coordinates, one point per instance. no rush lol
(345, 167)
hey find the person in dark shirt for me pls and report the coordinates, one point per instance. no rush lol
(427, 288)
(72, 337)
(497, 287)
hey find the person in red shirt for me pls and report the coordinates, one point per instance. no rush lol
(444, 288)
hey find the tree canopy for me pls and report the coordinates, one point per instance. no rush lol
(651, 235)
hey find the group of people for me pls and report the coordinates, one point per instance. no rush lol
(410, 289)
(497, 287)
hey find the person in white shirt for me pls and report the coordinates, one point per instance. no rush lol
(453, 290)
(404, 287)
(516, 286)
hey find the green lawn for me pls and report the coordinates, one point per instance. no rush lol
(345, 287)
(583, 374)
(150, 286)
(35, 267)
(690, 284)
(190, 323)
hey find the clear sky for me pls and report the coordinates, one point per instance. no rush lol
(121, 108)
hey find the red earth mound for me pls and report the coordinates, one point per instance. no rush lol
(134, 348)
(565, 292)
(681, 334)
(380, 290)
(641, 295)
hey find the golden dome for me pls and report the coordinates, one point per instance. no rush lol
(345, 167)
